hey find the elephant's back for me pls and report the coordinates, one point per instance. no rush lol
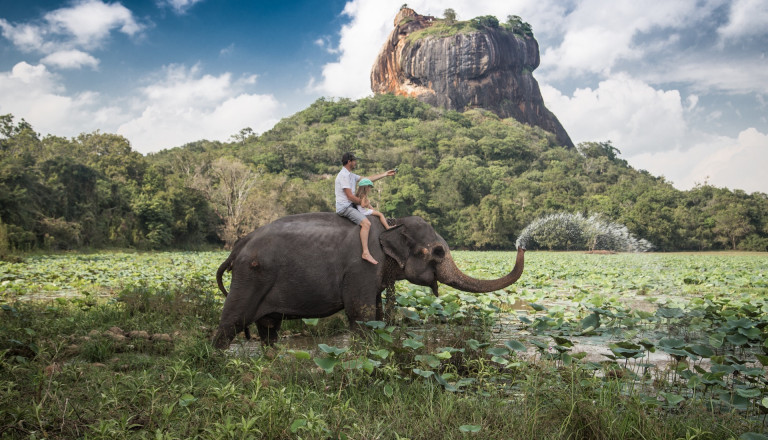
(311, 224)
(301, 251)
(315, 234)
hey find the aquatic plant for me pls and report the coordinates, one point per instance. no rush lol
(568, 231)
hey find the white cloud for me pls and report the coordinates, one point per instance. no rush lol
(706, 74)
(62, 33)
(35, 94)
(229, 50)
(70, 59)
(597, 34)
(746, 18)
(182, 106)
(629, 112)
(186, 105)
(26, 37)
(721, 161)
(358, 47)
(649, 127)
(91, 21)
(180, 6)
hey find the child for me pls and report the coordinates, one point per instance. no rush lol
(363, 188)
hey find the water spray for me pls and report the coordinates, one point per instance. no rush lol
(574, 231)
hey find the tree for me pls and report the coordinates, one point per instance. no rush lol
(245, 135)
(732, 224)
(488, 21)
(227, 185)
(518, 26)
(450, 16)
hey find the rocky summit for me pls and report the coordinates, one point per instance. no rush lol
(460, 67)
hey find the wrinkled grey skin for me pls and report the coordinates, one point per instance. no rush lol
(309, 266)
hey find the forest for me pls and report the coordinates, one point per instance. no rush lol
(477, 178)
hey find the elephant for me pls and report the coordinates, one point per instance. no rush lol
(309, 266)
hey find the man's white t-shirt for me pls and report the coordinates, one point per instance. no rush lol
(345, 179)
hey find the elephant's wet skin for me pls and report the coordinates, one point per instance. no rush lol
(309, 266)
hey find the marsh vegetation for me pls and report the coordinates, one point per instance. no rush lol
(680, 353)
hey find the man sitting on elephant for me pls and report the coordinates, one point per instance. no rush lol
(346, 200)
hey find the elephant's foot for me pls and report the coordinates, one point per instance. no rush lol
(268, 329)
(223, 337)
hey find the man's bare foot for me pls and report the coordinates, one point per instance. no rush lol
(369, 258)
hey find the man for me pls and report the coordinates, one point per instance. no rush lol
(346, 181)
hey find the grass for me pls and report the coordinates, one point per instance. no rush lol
(140, 365)
(70, 379)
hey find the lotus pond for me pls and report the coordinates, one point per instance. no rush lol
(582, 346)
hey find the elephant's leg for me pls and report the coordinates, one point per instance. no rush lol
(225, 334)
(389, 311)
(247, 290)
(361, 312)
(379, 310)
(269, 328)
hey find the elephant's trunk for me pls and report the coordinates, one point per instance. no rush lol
(448, 273)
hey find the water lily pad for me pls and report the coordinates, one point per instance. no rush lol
(515, 345)
(591, 322)
(412, 344)
(671, 343)
(470, 428)
(382, 353)
(423, 373)
(327, 364)
(737, 339)
(331, 350)
(701, 350)
(186, 400)
(669, 312)
(497, 351)
(301, 354)
(748, 393)
(671, 398)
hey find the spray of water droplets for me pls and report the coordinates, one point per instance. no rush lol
(565, 231)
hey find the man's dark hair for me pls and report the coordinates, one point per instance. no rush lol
(347, 157)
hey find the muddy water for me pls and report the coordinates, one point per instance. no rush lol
(509, 327)
(296, 341)
(53, 295)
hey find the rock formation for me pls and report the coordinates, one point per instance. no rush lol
(489, 68)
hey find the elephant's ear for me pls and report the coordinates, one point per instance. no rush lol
(394, 242)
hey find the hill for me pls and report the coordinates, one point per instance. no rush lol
(478, 178)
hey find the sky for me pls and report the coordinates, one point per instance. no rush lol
(679, 87)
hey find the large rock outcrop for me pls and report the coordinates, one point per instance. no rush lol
(490, 68)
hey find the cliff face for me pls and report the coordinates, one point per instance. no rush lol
(490, 68)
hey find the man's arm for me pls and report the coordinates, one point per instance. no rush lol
(351, 197)
(382, 175)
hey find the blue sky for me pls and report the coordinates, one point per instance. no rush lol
(679, 87)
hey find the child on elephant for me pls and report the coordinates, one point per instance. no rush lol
(363, 188)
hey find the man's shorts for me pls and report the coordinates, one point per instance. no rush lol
(352, 214)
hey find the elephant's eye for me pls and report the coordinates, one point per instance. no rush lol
(438, 252)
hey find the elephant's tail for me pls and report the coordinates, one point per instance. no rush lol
(225, 266)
